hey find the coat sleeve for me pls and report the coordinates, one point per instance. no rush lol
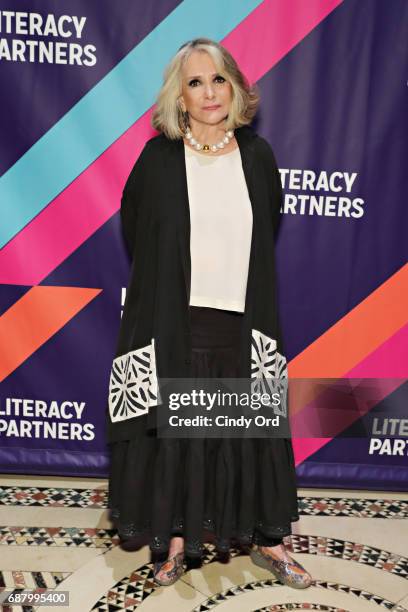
(131, 200)
(274, 184)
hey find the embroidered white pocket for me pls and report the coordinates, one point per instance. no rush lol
(268, 369)
(133, 384)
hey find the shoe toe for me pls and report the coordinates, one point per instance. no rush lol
(300, 577)
(167, 572)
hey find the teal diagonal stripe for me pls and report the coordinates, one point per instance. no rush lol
(107, 111)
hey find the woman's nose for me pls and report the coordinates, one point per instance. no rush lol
(209, 91)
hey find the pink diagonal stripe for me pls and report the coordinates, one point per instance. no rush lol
(272, 30)
(388, 362)
(258, 43)
(73, 216)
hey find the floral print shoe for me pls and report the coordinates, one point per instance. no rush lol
(290, 573)
(168, 571)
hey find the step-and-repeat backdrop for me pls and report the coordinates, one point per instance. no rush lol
(78, 81)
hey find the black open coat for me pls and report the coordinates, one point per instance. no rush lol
(155, 337)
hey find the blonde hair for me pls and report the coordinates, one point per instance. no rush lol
(168, 117)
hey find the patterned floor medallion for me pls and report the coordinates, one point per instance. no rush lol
(214, 601)
(130, 591)
(141, 581)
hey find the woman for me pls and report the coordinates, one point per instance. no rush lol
(200, 212)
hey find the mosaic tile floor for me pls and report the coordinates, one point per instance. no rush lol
(355, 545)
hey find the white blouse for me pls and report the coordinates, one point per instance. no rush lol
(221, 229)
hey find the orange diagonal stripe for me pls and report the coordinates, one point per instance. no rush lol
(36, 317)
(358, 333)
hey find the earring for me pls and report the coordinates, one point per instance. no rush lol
(184, 116)
(185, 120)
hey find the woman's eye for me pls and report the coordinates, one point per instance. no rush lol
(195, 82)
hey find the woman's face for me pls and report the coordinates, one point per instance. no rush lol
(203, 87)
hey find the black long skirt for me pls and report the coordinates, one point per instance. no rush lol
(228, 491)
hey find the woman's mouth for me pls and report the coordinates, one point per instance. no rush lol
(211, 107)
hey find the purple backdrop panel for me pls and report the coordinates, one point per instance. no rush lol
(333, 109)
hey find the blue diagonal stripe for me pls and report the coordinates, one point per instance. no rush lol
(107, 111)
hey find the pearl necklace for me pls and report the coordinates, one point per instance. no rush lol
(206, 147)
